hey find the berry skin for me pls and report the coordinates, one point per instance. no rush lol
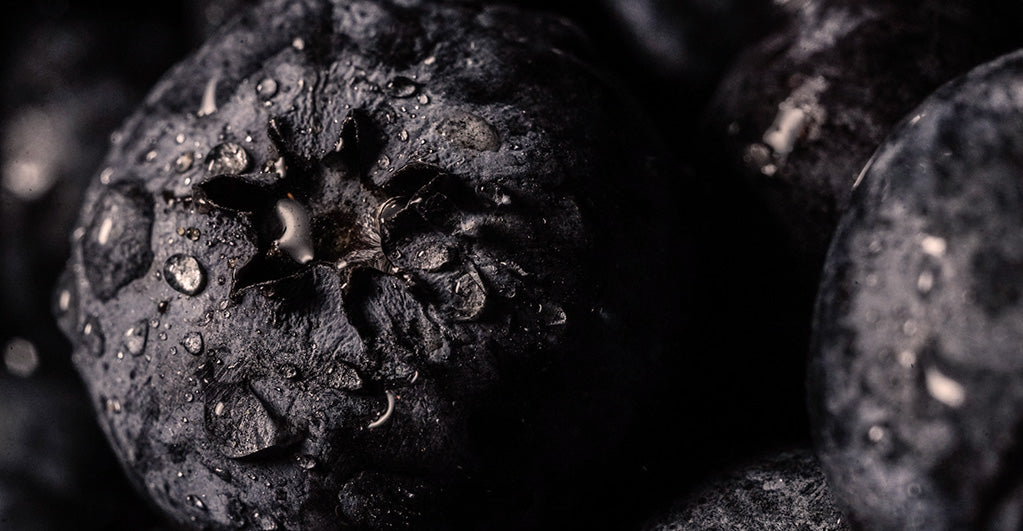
(914, 382)
(361, 263)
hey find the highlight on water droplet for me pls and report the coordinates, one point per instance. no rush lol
(185, 274)
(297, 239)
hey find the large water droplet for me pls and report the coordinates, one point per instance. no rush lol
(135, 337)
(266, 89)
(92, 337)
(297, 239)
(185, 274)
(193, 343)
(116, 247)
(402, 87)
(470, 131)
(227, 159)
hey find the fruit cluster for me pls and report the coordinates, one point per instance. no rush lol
(414, 264)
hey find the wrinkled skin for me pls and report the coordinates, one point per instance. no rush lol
(915, 376)
(401, 264)
(779, 492)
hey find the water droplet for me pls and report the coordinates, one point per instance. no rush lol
(195, 501)
(191, 233)
(933, 245)
(469, 131)
(113, 405)
(135, 337)
(209, 98)
(185, 274)
(423, 99)
(402, 87)
(266, 89)
(875, 434)
(403, 135)
(189, 397)
(184, 162)
(21, 358)
(162, 336)
(193, 343)
(297, 240)
(944, 389)
(305, 462)
(289, 371)
(298, 43)
(116, 249)
(92, 337)
(65, 303)
(180, 139)
(151, 156)
(227, 159)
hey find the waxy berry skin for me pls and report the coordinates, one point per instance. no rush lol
(365, 263)
(914, 384)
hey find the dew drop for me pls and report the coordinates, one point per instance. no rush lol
(227, 159)
(185, 274)
(92, 337)
(195, 501)
(209, 98)
(113, 405)
(402, 87)
(289, 371)
(266, 89)
(193, 343)
(135, 337)
(305, 462)
(184, 162)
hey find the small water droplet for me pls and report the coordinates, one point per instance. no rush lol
(402, 87)
(135, 337)
(209, 98)
(403, 135)
(298, 43)
(306, 462)
(113, 405)
(184, 162)
(195, 501)
(21, 357)
(227, 159)
(189, 397)
(185, 274)
(180, 139)
(289, 371)
(151, 156)
(162, 336)
(423, 99)
(193, 343)
(266, 89)
(876, 434)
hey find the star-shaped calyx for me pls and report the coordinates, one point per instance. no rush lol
(310, 206)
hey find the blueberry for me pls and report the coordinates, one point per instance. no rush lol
(371, 263)
(915, 376)
(800, 112)
(782, 491)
